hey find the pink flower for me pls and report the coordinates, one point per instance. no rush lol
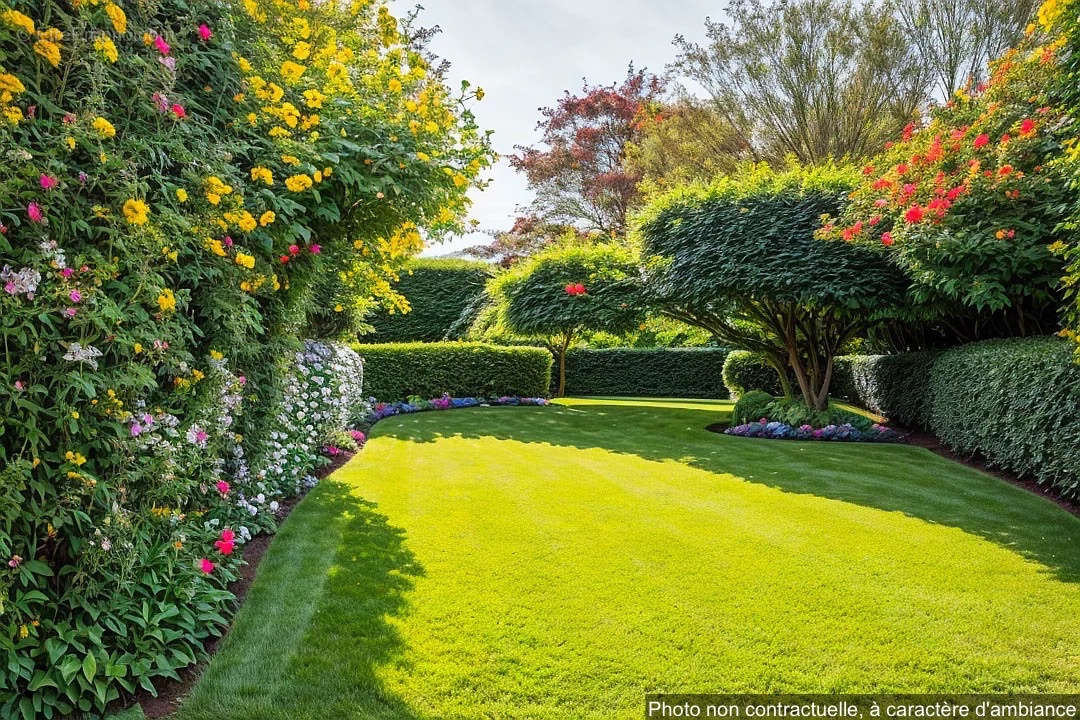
(9, 288)
(33, 211)
(48, 182)
(162, 46)
(981, 141)
(294, 249)
(75, 296)
(71, 312)
(228, 535)
(887, 239)
(315, 249)
(161, 101)
(225, 547)
(228, 241)
(242, 380)
(206, 566)
(136, 429)
(179, 111)
(205, 33)
(15, 561)
(66, 273)
(222, 487)
(20, 385)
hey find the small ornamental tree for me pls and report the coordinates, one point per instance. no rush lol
(970, 205)
(565, 290)
(739, 259)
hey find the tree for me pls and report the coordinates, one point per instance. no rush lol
(810, 78)
(739, 258)
(955, 40)
(567, 289)
(686, 141)
(579, 175)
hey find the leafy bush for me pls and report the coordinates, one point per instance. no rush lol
(660, 372)
(744, 370)
(397, 370)
(751, 407)
(438, 292)
(793, 412)
(1016, 402)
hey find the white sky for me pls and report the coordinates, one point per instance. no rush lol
(524, 54)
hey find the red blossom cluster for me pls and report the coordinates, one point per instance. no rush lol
(574, 289)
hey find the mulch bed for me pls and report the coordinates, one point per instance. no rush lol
(171, 693)
(935, 445)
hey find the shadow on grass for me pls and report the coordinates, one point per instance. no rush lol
(318, 621)
(894, 478)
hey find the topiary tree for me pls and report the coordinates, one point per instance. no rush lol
(566, 290)
(739, 258)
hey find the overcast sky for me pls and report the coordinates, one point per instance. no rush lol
(524, 54)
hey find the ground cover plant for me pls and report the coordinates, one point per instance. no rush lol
(464, 560)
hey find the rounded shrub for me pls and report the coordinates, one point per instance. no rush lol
(752, 405)
(744, 371)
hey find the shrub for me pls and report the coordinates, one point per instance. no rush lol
(744, 370)
(895, 386)
(438, 291)
(793, 412)
(397, 370)
(752, 406)
(1016, 402)
(660, 372)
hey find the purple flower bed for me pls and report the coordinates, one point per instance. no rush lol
(384, 410)
(775, 430)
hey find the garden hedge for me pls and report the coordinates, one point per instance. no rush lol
(394, 371)
(656, 372)
(745, 371)
(439, 290)
(1015, 402)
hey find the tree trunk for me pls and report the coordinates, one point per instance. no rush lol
(562, 365)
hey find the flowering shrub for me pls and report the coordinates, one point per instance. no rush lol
(776, 430)
(178, 176)
(969, 205)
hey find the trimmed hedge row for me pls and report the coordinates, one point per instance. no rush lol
(650, 372)
(394, 371)
(439, 290)
(1015, 402)
(745, 371)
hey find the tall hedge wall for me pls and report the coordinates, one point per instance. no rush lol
(439, 291)
(1015, 402)
(394, 371)
(656, 372)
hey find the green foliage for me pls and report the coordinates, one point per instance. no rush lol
(744, 370)
(752, 405)
(442, 294)
(794, 412)
(659, 372)
(739, 257)
(561, 292)
(1016, 402)
(397, 370)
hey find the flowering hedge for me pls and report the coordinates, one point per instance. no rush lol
(180, 177)
(776, 430)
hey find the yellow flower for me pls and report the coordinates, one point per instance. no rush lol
(246, 222)
(74, 414)
(16, 19)
(213, 198)
(75, 458)
(262, 174)
(423, 156)
(394, 85)
(166, 300)
(238, 97)
(314, 98)
(117, 16)
(279, 132)
(302, 50)
(10, 86)
(291, 71)
(267, 218)
(318, 176)
(48, 50)
(181, 195)
(244, 260)
(290, 160)
(104, 128)
(479, 93)
(214, 245)
(106, 47)
(136, 211)
(298, 183)
(70, 141)
(138, 348)
(24, 632)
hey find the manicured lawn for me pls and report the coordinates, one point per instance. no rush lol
(560, 562)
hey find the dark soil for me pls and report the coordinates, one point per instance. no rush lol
(170, 693)
(936, 446)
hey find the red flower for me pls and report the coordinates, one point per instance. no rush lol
(206, 566)
(901, 169)
(284, 259)
(981, 141)
(914, 214)
(1027, 127)
(179, 111)
(1005, 170)
(575, 289)
(887, 239)
(909, 129)
(868, 170)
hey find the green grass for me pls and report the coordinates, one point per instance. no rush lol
(560, 562)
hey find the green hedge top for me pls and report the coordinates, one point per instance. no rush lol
(396, 370)
(655, 372)
(439, 291)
